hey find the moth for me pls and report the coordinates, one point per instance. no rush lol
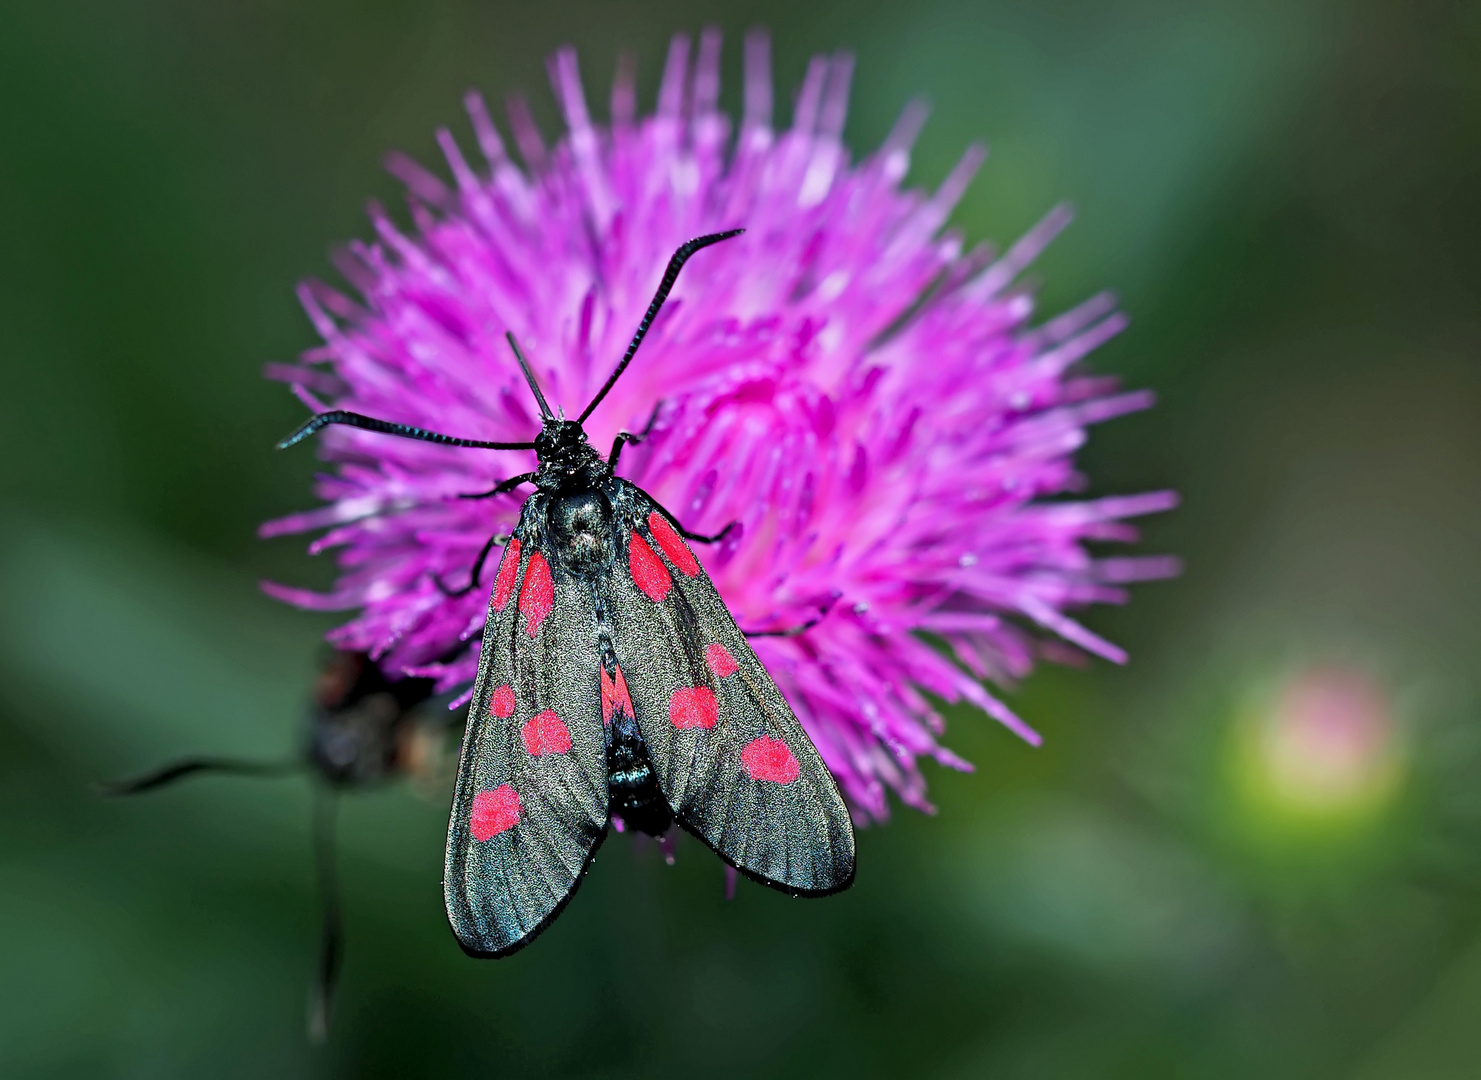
(363, 730)
(614, 683)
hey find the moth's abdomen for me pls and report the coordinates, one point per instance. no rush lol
(632, 785)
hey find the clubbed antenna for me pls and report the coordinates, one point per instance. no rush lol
(669, 277)
(405, 431)
(529, 375)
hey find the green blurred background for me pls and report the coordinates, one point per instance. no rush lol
(1256, 851)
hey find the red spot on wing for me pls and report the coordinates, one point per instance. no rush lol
(501, 702)
(508, 571)
(720, 660)
(615, 699)
(537, 595)
(494, 812)
(769, 759)
(692, 707)
(545, 733)
(675, 548)
(647, 569)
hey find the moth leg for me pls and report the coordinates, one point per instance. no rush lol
(497, 540)
(177, 770)
(331, 934)
(793, 631)
(715, 539)
(503, 487)
(624, 437)
(698, 538)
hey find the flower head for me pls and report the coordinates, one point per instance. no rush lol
(871, 403)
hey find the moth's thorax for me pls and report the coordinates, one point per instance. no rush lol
(580, 524)
(567, 461)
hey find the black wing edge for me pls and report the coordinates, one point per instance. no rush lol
(777, 886)
(541, 926)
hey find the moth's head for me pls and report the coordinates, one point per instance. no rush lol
(558, 438)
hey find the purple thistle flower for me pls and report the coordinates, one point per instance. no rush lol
(870, 402)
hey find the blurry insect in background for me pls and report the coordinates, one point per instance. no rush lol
(614, 689)
(363, 730)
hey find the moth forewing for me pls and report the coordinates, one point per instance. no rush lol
(531, 804)
(730, 755)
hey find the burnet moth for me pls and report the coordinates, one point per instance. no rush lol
(363, 730)
(613, 682)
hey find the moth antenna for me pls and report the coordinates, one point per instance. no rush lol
(670, 275)
(176, 770)
(404, 431)
(529, 375)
